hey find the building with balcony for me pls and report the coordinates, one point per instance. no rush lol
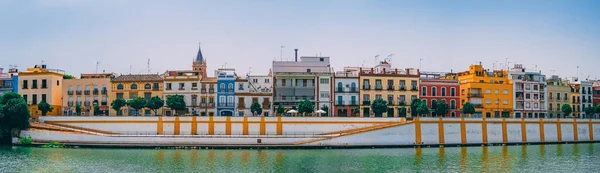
(559, 94)
(187, 84)
(208, 94)
(529, 95)
(596, 95)
(132, 86)
(7, 81)
(254, 88)
(435, 88)
(346, 88)
(489, 91)
(39, 84)
(581, 92)
(226, 78)
(87, 91)
(307, 79)
(399, 87)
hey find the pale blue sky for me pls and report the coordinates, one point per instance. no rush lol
(74, 34)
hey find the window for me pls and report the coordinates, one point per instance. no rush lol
(79, 100)
(120, 95)
(558, 107)
(505, 102)
(413, 98)
(497, 91)
(133, 86)
(222, 87)
(423, 91)
(433, 103)
(340, 100)
(378, 96)
(132, 95)
(266, 80)
(535, 87)
(104, 100)
(147, 86)
(402, 83)
(230, 87)
(452, 104)
(487, 91)
(34, 84)
(535, 96)
(308, 70)
(181, 86)
(241, 87)
(339, 87)
(497, 101)
(34, 99)
(222, 100)
(168, 86)
(390, 99)
(353, 86)
(147, 96)
(25, 83)
(378, 84)
(155, 86)
(452, 91)
(527, 87)
(413, 83)
(488, 102)
(527, 96)
(402, 98)
(194, 86)
(44, 97)
(44, 85)
(25, 97)
(443, 91)
(57, 83)
(324, 81)
(283, 82)
(527, 105)
(505, 92)
(535, 105)
(366, 84)
(390, 84)
(324, 94)
(433, 91)
(566, 98)
(366, 97)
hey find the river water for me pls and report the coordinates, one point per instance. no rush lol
(533, 158)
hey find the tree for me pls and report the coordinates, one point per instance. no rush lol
(326, 109)
(78, 109)
(96, 110)
(356, 110)
(280, 109)
(597, 109)
(413, 107)
(8, 96)
(589, 112)
(68, 77)
(379, 106)
(14, 112)
(468, 108)
(422, 109)
(305, 106)
(176, 102)
(117, 104)
(255, 108)
(402, 111)
(45, 107)
(566, 109)
(155, 103)
(441, 108)
(137, 104)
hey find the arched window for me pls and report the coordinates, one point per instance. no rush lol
(443, 91)
(230, 86)
(433, 91)
(353, 86)
(339, 87)
(222, 87)
(120, 87)
(133, 86)
(423, 91)
(147, 86)
(452, 104)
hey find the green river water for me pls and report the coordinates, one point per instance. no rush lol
(533, 158)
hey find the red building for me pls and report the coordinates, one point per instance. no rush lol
(434, 89)
(596, 95)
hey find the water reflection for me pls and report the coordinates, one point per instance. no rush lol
(441, 156)
(484, 159)
(160, 157)
(463, 159)
(245, 157)
(418, 157)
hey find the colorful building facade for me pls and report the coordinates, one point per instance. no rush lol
(559, 94)
(88, 91)
(345, 97)
(136, 85)
(529, 93)
(208, 94)
(185, 83)
(596, 95)
(254, 89)
(434, 88)
(226, 91)
(489, 91)
(399, 87)
(39, 84)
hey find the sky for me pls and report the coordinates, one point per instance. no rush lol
(554, 36)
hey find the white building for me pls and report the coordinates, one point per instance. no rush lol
(529, 92)
(185, 83)
(346, 92)
(585, 92)
(254, 88)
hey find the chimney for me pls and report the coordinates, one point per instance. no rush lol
(296, 54)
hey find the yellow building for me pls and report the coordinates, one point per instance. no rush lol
(575, 99)
(559, 94)
(397, 86)
(132, 86)
(89, 90)
(490, 91)
(41, 84)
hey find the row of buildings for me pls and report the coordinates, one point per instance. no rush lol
(349, 92)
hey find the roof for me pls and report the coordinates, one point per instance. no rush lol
(199, 57)
(209, 79)
(138, 77)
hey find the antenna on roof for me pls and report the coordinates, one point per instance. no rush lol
(129, 69)
(97, 63)
(148, 66)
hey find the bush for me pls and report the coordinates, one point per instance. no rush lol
(53, 145)
(25, 141)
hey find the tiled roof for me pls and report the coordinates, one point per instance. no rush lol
(138, 77)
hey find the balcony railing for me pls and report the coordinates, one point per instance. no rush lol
(78, 92)
(203, 90)
(104, 103)
(478, 105)
(181, 88)
(70, 92)
(339, 103)
(414, 88)
(353, 103)
(366, 103)
(475, 95)
(340, 89)
(402, 103)
(452, 107)
(86, 92)
(230, 90)
(402, 88)
(378, 87)
(366, 87)
(104, 92)
(70, 103)
(391, 87)
(391, 103)
(211, 90)
(241, 106)
(95, 91)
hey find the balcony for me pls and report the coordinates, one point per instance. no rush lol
(86, 92)
(230, 90)
(194, 88)
(414, 88)
(78, 92)
(353, 103)
(70, 92)
(366, 103)
(211, 90)
(340, 103)
(402, 88)
(203, 90)
(70, 103)
(95, 91)
(222, 90)
(104, 92)
(391, 87)
(390, 103)
(340, 89)
(366, 87)
(402, 103)
(181, 88)
(353, 89)
(452, 107)
(478, 105)
(241, 106)
(475, 95)
(86, 103)
(104, 103)
(378, 87)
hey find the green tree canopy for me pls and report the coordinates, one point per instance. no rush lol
(8, 96)
(117, 104)
(589, 111)
(597, 109)
(566, 109)
(256, 109)
(402, 111)
(413, 107)
(326, 109)
(137, 104)
(176, 102)
(280, 109)
(96, 109)
(379, 106)
(155, 103)
(66, 76)
(305, 106)
(468, 108)
(78, 109)
(356, 110)
(45, 107)
(441, 108)
(422, 109)
(15, 112)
